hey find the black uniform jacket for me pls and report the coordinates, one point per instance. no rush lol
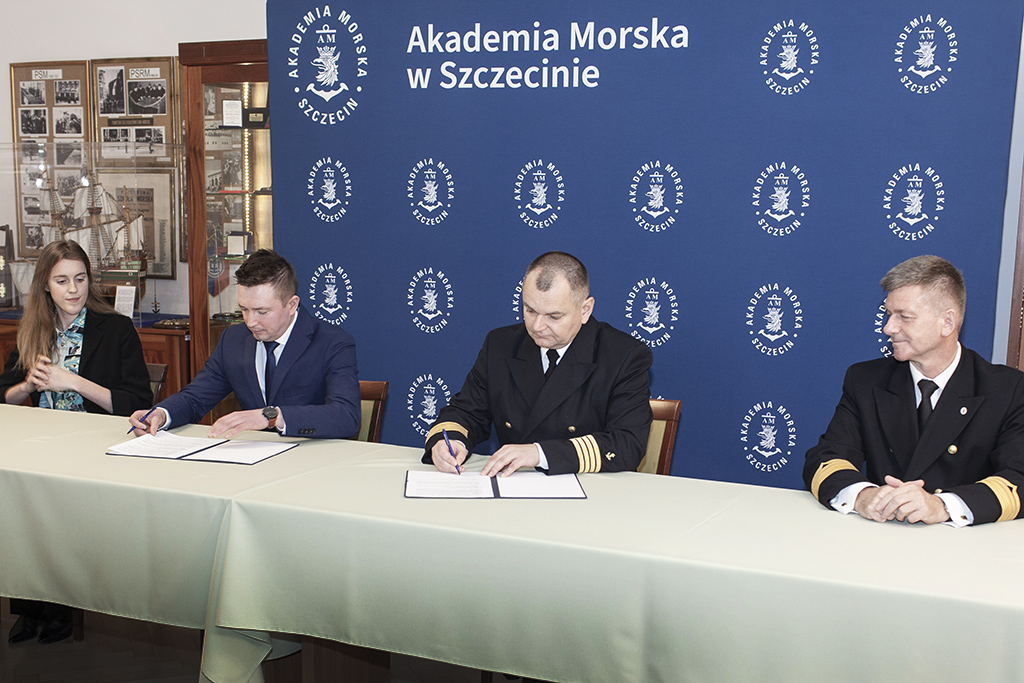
(973, 444)
(593, 414)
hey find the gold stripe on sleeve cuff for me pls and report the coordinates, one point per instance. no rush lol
(826, 470)
(1006, 494)
(450, 426)
(588, 453)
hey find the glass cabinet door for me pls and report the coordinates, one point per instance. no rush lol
(229, 188)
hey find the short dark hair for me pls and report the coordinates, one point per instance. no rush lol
(932, 273)
(554, 263)
(267, 267)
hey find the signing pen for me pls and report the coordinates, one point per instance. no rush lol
(450, 450)
(144, 418)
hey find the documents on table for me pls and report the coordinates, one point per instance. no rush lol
(521, 484)
(174, 447)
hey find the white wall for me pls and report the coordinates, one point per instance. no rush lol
(55, 30)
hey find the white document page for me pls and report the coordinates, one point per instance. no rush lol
(534, 484)
(419, 484)
(241, 452)
(163, 445)
(174, 447)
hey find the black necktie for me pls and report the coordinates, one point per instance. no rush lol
(924, 410)
(268, 369)
(552, 362)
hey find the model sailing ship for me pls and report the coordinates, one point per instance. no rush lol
(110, 232)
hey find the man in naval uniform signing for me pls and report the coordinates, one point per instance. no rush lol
(933, 434)
(565, 392)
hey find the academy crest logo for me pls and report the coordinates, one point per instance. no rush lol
(327, 60)
(539, 193)
(914, 198)
(430, 300)
(781, 195)
(656, 192)
(517, 302)
(775, 317)
(427, 395)
(925, 53)
(768, 435)
(881, 338)
(652, 310)
(430, 190)
(789, 54)
(329, 189)
(330, 293)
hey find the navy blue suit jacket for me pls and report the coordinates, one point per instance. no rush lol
(315, 385)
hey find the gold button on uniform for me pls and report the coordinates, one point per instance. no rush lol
(952, 449)
(572, 429)
(508, 425)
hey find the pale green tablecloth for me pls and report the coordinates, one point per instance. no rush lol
(650, 579)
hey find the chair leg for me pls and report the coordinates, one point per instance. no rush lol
(77, 624)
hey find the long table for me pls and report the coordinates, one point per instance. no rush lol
(648, 579)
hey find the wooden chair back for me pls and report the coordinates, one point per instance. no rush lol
(662, 439)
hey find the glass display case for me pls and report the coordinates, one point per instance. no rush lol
(228, 186)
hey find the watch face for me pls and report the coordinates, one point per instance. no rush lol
(270, 412)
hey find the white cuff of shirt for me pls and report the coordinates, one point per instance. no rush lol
(543, 464)
(846, 500)
(959, 514)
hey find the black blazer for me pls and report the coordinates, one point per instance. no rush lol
(973, 444)
(593, 414)
(111, 357)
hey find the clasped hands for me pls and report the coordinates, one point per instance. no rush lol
(227, 426)
(505, 460)
(45, 376)
(902, 501)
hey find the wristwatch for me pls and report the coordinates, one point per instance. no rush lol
(271, 413)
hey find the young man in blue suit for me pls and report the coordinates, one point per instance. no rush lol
(289, 371)
(934, 434)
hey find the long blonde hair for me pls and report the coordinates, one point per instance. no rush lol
(37, 332)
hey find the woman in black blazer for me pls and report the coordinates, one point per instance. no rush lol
(75, 352)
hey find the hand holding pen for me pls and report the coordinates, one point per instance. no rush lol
(451, 450)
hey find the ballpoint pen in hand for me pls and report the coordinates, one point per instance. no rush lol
(450, 450)
(144, 418)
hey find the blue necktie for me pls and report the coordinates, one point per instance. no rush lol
(268, 371)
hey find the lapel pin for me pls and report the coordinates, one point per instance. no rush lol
(952, 449)
(963, 411)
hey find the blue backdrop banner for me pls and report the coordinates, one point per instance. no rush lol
(736, 176)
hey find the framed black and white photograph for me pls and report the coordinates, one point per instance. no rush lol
(67, 121)
(110, 90)
(67, 92)
(31, 207)
(152, 194)
(68, 152)
(32, 93)
(115, 143)
(31, 179)
(66, 181)
(149, 141)
(33, 122)
(231, 171)
(147, 98)
(32, 152)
